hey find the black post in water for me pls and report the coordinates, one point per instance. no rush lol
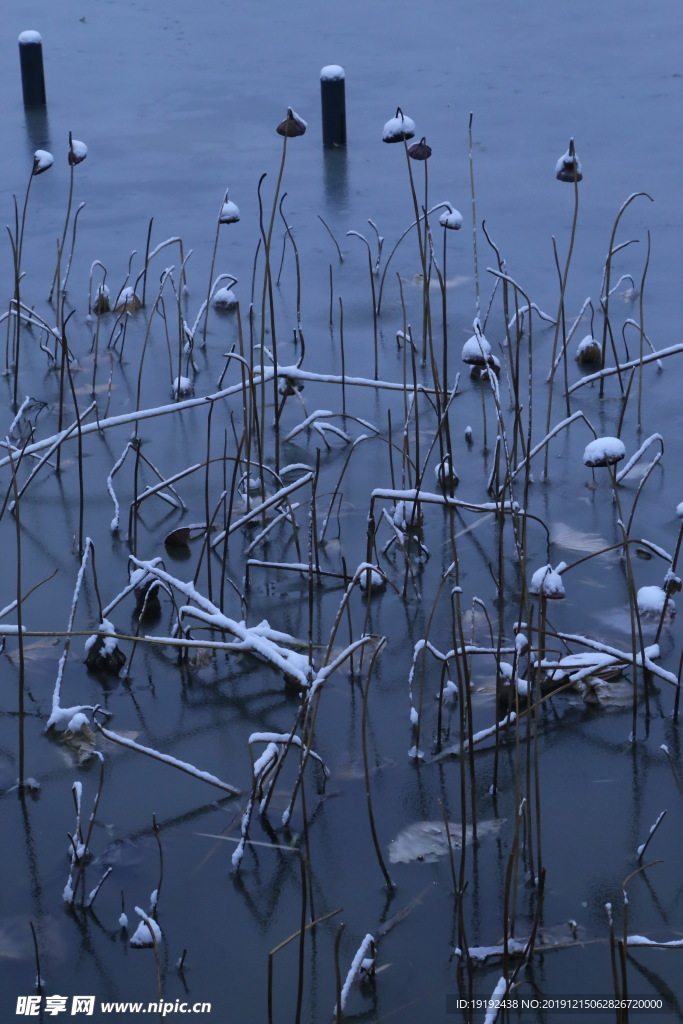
(332, 86)
(32, 77)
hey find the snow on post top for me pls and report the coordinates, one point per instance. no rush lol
(332, 73)
(605, 451)
(29, 36)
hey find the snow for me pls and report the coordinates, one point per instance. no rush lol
(230, 213)
(332, 73)
(182, 386)
(398, 128)
(679, 510)
(495, 997)
(42, 160)
(445, 473)
(225, 298)
(641, 940)
(566, 165)
(358, 959)
(651, 602)
(377, 581)
(29, 36)
(77, 722)
(547, 581)
(476, 349)
(604, 452)
(78, 151)
(142, 938)
(110, 643)
(451, 218)
(167, 759)
(267, 757)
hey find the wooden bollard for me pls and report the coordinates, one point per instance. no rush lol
(32, 76)
(332, 94)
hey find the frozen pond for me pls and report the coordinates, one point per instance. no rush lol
(348, 690)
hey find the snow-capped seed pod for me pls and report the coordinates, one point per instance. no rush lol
(42, 161)
(372, 581)
(182, 387)
(78, 151)
(399, 128)
(230, 213)
(445, 474)
(604, 451)
(672, 583)
(476, 351)
(651, 601)
(451, 218)
(32, 74)
(101, 303)
(480, 371)
(127, 301)
(679, 510)
(588, 351)
(292, 126)
(102, 653)
(142, 936)
(225, 299)
(290, 387)
(420, 150)
(568, 167)
(407, 514)
(547, 582)
(468, 436)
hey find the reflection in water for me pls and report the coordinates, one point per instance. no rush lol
(335, 164)
(37, 130)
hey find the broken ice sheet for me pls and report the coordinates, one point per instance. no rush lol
(604, 693)
(427, 840)
(565, 536)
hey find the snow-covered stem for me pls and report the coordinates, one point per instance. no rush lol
(54, 447)
(438, 206)
(578, 415)
(652, 439)
(368, 944)
(257, 510)
(605, 289)
(661, 353)
(260, 640)
(56, 694)
(92, 895)
(640, 852)
(366, 768)
(183, 766)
